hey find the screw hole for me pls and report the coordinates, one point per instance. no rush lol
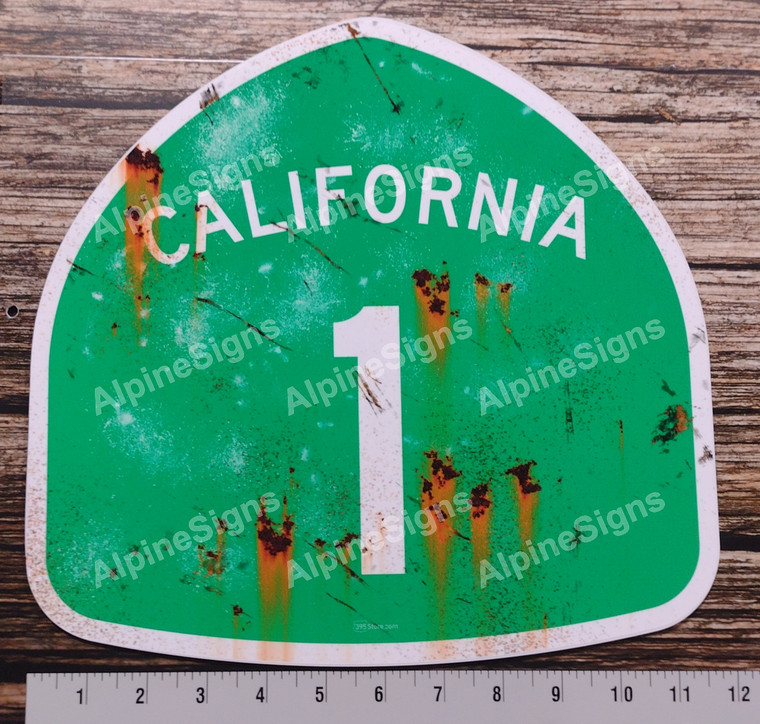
(12, 311)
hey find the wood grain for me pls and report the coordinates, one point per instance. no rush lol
(676, 83)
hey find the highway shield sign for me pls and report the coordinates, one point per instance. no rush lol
(369, 353)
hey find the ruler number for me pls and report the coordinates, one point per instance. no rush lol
(626, 694)
(739, 694)
(679, 693)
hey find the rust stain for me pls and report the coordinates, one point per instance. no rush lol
(480, 515)
(503, 292)
(504, 296)
(434, 291)
(343, 549)
(437, 494)
(142, 174)
(211, 562)
(432, 294)
(274, 548)
(346, 540)
(482, 295)
(675, 420)
(526, 492)
(209, 96)
(237, 612)
(481, 282)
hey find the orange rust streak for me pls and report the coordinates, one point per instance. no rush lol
(274, 547)
(682, 419)
(674, 422)
(273, 581)
(526, 507)
(482, 294)
(526, 494)
(432, 294)
(438, 490)
(504, 294)
(143, 175)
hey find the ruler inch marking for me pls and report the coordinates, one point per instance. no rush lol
(698, 700)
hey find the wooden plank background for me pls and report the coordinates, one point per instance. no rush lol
(81, 81)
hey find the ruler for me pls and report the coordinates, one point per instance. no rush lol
(397, 695)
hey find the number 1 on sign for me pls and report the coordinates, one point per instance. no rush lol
(371, 336)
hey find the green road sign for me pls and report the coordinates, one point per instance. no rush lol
(369, 353)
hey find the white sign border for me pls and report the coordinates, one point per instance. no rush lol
(377, 654)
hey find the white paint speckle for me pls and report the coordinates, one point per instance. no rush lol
(98, 296)
(126, 418)
(265, 268)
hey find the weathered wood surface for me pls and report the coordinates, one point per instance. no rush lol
(679, 81)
